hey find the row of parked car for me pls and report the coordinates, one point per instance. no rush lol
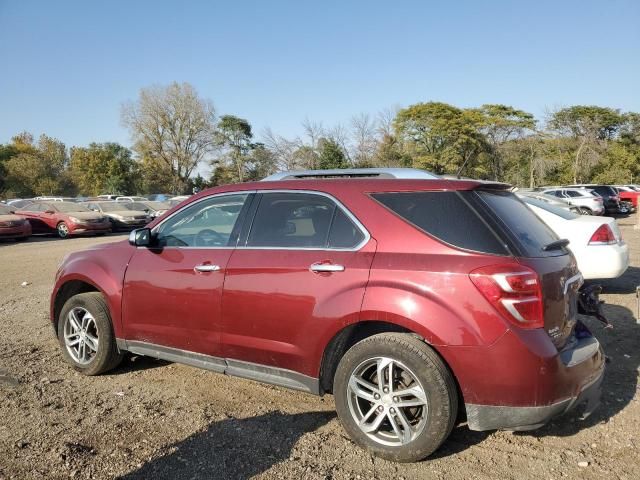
(65, 216)
(593, 199)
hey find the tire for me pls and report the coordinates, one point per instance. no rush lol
(585, 211)
(97, 330)
(415, 366)
(21, 239)
(62, 229)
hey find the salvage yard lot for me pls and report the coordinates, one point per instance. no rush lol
(153, 419)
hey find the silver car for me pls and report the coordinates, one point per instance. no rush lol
(587, 201)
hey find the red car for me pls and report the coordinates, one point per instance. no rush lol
(407, 299)
(628, 194)
(65, 218)
(12, 225)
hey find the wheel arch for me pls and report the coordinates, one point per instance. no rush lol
(65, 292)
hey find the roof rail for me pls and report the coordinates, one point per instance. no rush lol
(411, 173)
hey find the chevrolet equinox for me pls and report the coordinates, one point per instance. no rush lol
(414, 300)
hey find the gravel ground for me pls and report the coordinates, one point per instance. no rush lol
(153, 419)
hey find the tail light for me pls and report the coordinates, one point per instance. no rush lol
(603, 236)
(513, 290)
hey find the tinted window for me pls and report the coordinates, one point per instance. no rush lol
(292, 220)
(208, 223)
(571, 193)
(344, 233)
(446, 216)
(529, 231)
(604, 190)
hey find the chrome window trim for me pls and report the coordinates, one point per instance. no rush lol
(339, 204)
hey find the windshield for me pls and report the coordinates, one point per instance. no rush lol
(561, 212)
(68, 207)
(111, 206)
(5, 210)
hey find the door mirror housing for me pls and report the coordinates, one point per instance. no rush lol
(140, 237)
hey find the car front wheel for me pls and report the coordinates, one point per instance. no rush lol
(86, 335)
(395, 397)
(63, 230)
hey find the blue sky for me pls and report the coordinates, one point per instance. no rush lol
(68, 65)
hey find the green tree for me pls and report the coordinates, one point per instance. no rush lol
(234, 136)
(331, 155)
(103, 168)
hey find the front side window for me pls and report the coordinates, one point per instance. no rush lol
(208, 223)
(302, 220)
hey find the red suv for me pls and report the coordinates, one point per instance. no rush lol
(410, 300)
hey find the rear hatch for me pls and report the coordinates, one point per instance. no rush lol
(537, 246)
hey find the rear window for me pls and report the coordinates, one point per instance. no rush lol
(531, 234)
(446, 216)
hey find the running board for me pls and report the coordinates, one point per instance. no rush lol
(235, 368)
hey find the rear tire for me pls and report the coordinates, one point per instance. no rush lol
(405, 427)
(86, 335)
(585, 211)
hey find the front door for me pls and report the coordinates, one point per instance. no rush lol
(173, 290)
(300, 273)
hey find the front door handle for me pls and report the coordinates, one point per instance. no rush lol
(326, 267)
(206, 267)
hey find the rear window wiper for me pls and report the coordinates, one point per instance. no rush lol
(557, 245)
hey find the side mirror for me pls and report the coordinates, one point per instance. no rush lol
(140, 237)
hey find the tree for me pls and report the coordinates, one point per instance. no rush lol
(500, 124)
(234, 136)
(331, 155)
(365, 139)
(590, 126)
(172, 125)
(441, 137)
(103, 168)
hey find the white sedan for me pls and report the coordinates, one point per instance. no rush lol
(596, 242)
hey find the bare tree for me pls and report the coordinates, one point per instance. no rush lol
(340, 135)
(365, 139)
(283, 149)
(173, 125)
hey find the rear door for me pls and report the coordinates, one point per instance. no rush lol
(300, 271)
(559, 275)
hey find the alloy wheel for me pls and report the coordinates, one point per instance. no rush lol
(387, 401)
(81, 335)
(63, 230)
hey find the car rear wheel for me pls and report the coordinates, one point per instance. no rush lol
(585, 211)
(63, 230)
(395, 397)
(86, 335)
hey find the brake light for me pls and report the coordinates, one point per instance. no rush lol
(513, 290)
(602, 236)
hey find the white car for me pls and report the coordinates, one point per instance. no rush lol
(596, 242)
(132, 199)
(588, 202)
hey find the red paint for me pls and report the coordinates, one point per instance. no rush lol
(47, 222)
(267, 307)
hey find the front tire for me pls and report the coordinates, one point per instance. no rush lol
(585, 211)
(86, 335)
(395, 397)
(62, 229)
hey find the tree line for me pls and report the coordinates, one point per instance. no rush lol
(176, 132)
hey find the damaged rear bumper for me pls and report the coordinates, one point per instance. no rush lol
(498, 417)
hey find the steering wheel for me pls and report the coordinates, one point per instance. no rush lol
(209, 238)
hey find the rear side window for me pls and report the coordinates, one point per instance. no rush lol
(531, 234)
(302, 220)
(446, 216)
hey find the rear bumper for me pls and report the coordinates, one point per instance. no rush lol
(16, 232)
(492, 417)
(603, 261)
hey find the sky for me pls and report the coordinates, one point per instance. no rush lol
(67, 66)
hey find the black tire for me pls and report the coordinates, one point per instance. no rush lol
(585, 211)
(433, 376)
(62, 230)
(107, 356)
(21, 239)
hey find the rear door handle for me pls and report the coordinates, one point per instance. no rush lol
(326, 267)
(206, 267)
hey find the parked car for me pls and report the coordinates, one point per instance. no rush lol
(160, 197)
(395, 295)
(557, 202)
(121, 217)
(13, 226)
(153, 209)
(64, 218)
(107, 197)
(588, 202)
(177, 200)
(19, 203)
(56, 199)
(610, 198)
(131, 199)
(628, 194)
(596, 242)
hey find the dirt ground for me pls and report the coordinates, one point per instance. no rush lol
(151, 419)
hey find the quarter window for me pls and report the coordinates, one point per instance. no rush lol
(302, 220)
(208, 223)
